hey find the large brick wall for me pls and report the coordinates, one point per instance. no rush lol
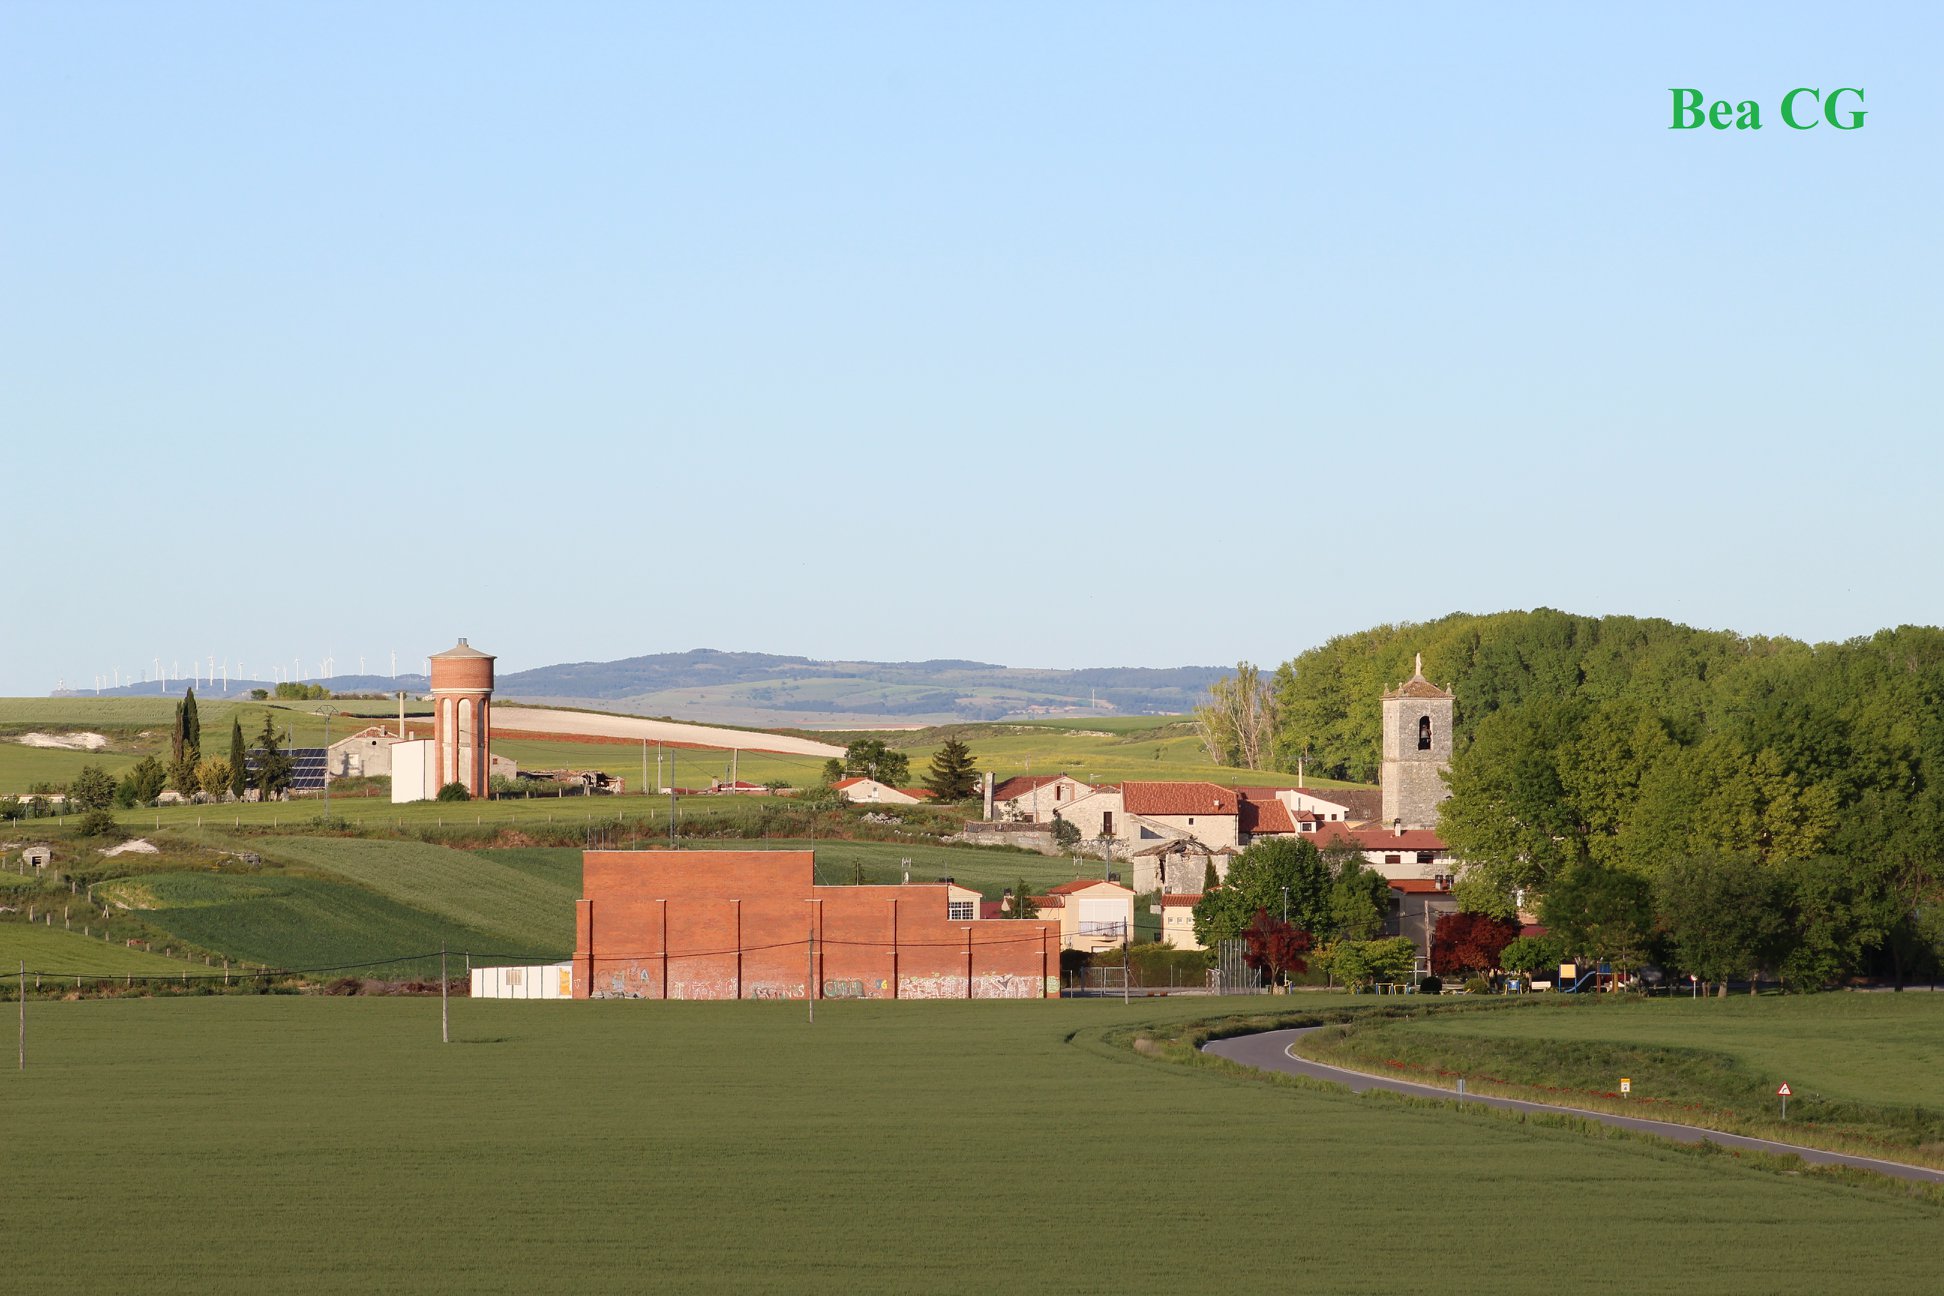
(740, 925)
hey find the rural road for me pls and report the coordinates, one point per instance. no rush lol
(1270, 1051)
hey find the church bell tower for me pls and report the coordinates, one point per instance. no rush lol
(1417, 751)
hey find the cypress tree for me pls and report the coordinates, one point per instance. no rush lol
(191, 726)
(239, 779)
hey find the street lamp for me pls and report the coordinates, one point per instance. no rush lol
(327, 711)
(1285, 905)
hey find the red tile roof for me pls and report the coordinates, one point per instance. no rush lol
(1178, 798)
(1179, 901)
(850, 782)
(1265, 816)
(1372, 839)
(1419, 886)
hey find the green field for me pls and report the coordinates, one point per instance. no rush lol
(57, 949)
(343, 902)
(334, 1145)
(1107, 749)
(284, 921)
(1863, 1068)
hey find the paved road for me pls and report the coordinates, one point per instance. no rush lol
(1270, 1051)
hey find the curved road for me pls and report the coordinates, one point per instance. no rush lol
(1272, 1051)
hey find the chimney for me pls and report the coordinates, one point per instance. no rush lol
(988, 796)
(1397, 827)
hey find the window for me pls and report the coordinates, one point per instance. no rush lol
(1424, 857)
(1424, 733)
(961, 911)
(1058, 791)
(1106, 823)
(1191, 821)
(1393, 859)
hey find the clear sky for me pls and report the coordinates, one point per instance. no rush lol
(1053, 335)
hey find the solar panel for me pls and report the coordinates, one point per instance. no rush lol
(306, 770)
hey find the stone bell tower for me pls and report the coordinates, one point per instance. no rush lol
(1417, 751)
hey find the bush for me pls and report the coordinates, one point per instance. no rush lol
(1478, 985)
(1066, 835)
(1431, 985)
(98, 823)
(454, 791)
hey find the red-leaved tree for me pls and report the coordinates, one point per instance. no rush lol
(1471, 943)
(1276, 945)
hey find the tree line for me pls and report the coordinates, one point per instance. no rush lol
(1705, 770)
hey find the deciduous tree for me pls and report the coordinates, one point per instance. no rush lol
(1275, 946)
(1724, 917)
(1463, 943)
(873, 758)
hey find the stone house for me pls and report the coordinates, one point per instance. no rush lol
(1036, 798)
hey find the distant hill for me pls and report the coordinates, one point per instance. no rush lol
(766, 690)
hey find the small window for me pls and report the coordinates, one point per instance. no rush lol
(960, 911)
(1393, 859)
(1424, 857)
(1191, 821)
(1424, 733)
(1106, 823)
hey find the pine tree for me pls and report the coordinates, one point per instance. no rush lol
(239, 772)
(1209, 878)
(953, 776)
(273, 767)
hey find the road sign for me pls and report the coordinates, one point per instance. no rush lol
(1783, 1093)
(1626, 1085)
(1784, 1090)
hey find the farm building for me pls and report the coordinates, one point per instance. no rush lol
(756, 925)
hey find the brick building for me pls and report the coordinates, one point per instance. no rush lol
(755, 925)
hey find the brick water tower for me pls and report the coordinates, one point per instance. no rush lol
(462, 702)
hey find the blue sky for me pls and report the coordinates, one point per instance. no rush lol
(1049, 335)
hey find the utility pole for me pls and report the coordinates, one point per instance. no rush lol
(23, 1016)
(327, 711)
(810, 969)
(644, 769)
(671, 822)
(445, 1020)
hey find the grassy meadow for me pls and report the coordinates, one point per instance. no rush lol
(326, 900)
(57, 949)
(1863, 1068)
(1107, 749)
(273, 1143)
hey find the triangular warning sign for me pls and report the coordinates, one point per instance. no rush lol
(1784, 1090)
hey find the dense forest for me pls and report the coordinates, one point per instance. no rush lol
(1638, 747)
